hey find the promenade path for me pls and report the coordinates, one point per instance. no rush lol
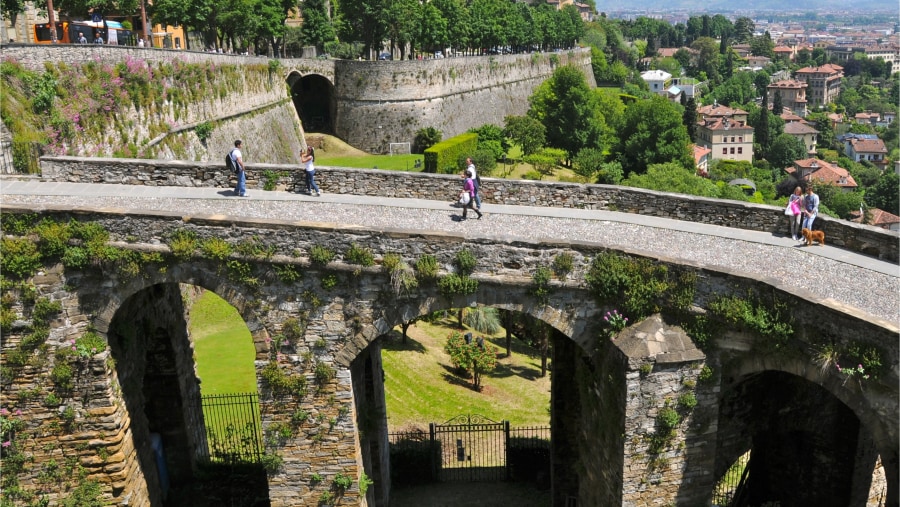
(859, 284)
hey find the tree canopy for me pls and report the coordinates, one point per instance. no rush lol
(652, 133)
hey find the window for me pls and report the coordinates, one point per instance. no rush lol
(724, 151)
(732, 138)
(732, 151)
(741, 139)
(740, 150)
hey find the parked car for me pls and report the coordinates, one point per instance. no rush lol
(385, 56)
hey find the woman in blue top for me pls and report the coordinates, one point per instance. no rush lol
(810, 208)
(309, 159)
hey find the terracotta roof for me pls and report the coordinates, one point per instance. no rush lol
(820, 170)
(720, 123)
(836, 117)
(868, 146)
(718, 110)
(783, 49)
(828, 68)
(879, 218)
(798, 128)
(700, 152)
(788, 84)
(866, 116)
(790, 117)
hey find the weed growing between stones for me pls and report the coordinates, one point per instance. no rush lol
(540, 285)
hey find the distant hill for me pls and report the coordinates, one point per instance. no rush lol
(726, 6)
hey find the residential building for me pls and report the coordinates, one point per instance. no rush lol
(887, 52)
(701, 160)
(824, 83)
(805, 133)
(784, 52)
(793, 94)
(758, 61)
(819, 171)
(724, 131)
(690, 86)
(868, 147)
(659, 81)
(867, 118)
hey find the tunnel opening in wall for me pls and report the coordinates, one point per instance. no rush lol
(313, 97)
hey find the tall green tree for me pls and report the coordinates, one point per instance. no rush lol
(526, 132)
(11, 9)
(458, 25)
(785, 150)
(743, 29)
(433, 35)
(317, 28)
(689, 118)
(777, 105)
(193, 15)
(707, 57)
(763, 45)
(567, 108)
(402, 24)
(652, 133)
(362, 20)
(79, 9)
(884, 194)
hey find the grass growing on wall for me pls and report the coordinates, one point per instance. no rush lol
(223, 348)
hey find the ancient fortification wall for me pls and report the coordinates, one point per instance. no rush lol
(337, 180)
(383, 102)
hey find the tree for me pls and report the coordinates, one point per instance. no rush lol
(652, 133)
(743, 29)
(588, 162)
(317, 28)
(526, 132)
(402, 26)
(475, 357)
(433, 35)
(707, 57)
(777, 106)
(884, 194)
(689, 118)
(567, 108)
(843, 203)
(362, 20)
(785, 150)
(546, 160)
(192, 14)
(762, 45)
(670, 177)
(426, 138)
(11, 9)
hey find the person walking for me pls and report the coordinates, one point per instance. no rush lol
(470, 169)
(237, 158)
(308, 158)
(794, 203)
(469, 188)
(810, 208)
(81, 38)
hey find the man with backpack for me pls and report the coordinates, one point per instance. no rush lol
(235, 162)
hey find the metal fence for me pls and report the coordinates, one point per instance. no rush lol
(233, 428)
(730, 483)
(470, 448)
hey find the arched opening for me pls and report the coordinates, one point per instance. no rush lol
(804, 446)
(426, 430)
(194, 446)
(313, 97)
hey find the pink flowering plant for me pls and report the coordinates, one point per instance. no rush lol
(614, 322)
(859, 372)
(10, 424)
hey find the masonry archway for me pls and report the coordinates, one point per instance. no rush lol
(150, 342)
(806, 446)
(313, 97)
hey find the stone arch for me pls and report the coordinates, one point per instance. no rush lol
(313, 96)
(870, 438)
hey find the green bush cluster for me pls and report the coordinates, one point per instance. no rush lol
(283, 383)
(442, 156)
(454, 284)
(427, 267)
(359, 255)
(540, 285)
(772, 321)
(320, 255)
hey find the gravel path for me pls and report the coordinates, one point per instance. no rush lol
(760, 255)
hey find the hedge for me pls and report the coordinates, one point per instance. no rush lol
(443, 156)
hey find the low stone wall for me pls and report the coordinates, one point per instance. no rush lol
(869, 240)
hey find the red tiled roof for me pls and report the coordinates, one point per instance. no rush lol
(868, 146)
(700, 152)
(820, 170)
(828, 68)
(879, 218)
(790, 117)
(719, 110)
(720, 123)
(798, 128)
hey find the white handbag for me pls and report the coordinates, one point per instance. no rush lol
(464, 198)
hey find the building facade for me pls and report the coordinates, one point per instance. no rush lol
(824, 83)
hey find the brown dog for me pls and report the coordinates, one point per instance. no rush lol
(813, 236)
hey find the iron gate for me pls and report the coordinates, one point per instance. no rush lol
(472, 448)
(233, 428)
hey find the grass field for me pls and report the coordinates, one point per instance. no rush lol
(223, 347)
(420, 385)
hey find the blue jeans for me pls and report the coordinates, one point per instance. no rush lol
(808, 221)
(241, 188)
(311, 182)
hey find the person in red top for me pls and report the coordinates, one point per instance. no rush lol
(469, 187)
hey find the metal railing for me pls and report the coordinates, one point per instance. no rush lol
(233, 428)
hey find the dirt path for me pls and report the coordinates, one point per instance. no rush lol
(472, 494)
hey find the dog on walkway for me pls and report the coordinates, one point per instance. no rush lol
(813, 236)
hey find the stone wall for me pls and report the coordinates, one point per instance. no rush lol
(378, 103)
(866, 239)
(341, 322)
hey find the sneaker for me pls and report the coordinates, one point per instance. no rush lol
(318, 194)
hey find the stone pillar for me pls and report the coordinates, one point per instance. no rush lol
(565, 419)
(368, 392)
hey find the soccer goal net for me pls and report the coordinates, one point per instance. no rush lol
(400, 149)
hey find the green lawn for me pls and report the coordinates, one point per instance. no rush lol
(223, 347)
(420, 386)
(387, 162)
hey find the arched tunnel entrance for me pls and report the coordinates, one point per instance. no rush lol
(805, 446)
(172, 423)
(313, 97)
(526, 459)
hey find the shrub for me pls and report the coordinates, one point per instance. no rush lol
(427, 267)
(320, 255)
(687, 401)
(426, 138)
(668, 419)
(359, 255)
(471, 357)
(453, 284)
(216, 249)
(465, 262)
(183, 242)
(324, 372)
(540, 287)
(563, 264)
(203, 130)
(342, 482)
(19, 257)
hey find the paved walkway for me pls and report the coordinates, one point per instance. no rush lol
(843, 277)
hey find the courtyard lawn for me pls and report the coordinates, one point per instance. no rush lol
(387, 162)
(223, 348)
(421, 386)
